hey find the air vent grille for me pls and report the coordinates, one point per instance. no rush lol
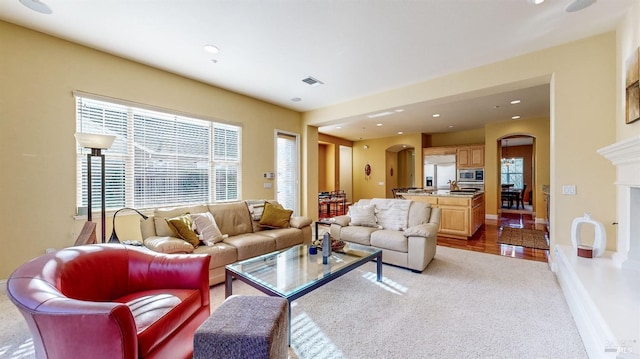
(312, 81)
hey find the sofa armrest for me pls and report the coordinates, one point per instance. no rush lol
(422, 230)
(107, 328)
(300, 221)
(341, 221)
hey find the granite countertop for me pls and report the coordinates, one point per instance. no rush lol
(441, 193)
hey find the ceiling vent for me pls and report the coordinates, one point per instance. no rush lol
(312, 81)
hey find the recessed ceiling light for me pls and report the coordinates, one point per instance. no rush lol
(296, 99)
(338, 127)
(435, 115)
(450, 126)
(36, 5)
(379, 125)
(400, 132)
(515, 102)
(515, 117)
(399, 110)
(211, 49)
(536, 2)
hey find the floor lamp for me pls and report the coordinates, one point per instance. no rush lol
(96, 143)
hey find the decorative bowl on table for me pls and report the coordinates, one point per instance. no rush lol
(336, 245)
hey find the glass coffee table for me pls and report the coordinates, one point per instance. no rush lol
(293, 272)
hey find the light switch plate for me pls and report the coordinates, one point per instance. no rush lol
(267, 185)
(569, 190)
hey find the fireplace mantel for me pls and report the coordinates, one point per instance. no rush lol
(625, 155)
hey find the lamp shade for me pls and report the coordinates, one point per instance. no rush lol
(94, 140)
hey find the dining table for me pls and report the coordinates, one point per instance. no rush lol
(510, 195)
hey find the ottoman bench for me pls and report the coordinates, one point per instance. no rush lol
(245, 327)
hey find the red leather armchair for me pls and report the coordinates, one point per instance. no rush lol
(112, 301)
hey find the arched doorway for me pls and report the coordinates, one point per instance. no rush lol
(516, 173)
(400, 168)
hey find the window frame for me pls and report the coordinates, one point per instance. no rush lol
(232, 158)
(509, 174)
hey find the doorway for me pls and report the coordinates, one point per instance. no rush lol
(516, 174)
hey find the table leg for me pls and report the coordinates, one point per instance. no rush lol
(379, 267)
(228, 285)
(289, 323)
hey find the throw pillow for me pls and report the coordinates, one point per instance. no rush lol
(256, 207)
(275, 217)
(183, 228)
(392, 213)
(362, 216)
(207, 229)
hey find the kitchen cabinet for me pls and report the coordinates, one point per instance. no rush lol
(462, 215)
(470, 156)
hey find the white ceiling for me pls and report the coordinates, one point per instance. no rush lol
(356, 47)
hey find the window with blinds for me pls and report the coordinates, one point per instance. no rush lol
(158, 159)
(513, 172)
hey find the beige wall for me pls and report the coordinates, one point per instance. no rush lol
(583, 79)
(37, 110)
(376, 155)
(470, 137)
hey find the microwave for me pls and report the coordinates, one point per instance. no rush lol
(471, 175)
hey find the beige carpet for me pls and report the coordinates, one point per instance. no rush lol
(464, 305)
(525, 237)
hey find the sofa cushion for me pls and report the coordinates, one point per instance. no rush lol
(392, 213)
(159, 215)
(206, 228)
(357, 234)
(170, 245)
(232, 218)
(275, 217)
(158, 313)
(182, 226)
(284, 237)
(221, 254)
(419, 213)
(251, 244)
(363, 216)
(390, 239)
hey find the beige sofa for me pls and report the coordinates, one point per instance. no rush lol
(239, 222)
(405, 230)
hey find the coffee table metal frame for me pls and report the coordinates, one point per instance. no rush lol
(270, 263)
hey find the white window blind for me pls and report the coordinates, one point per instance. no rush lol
(158, 158)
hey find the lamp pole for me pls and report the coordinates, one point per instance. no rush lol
(97, 152)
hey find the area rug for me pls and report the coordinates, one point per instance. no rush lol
(525, 237)
(464, 305)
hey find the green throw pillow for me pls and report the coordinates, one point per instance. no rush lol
(183, 227)
(274, 217)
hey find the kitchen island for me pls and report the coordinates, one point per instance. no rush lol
(462, 211)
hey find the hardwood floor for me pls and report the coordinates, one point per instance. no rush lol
(485, 240)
